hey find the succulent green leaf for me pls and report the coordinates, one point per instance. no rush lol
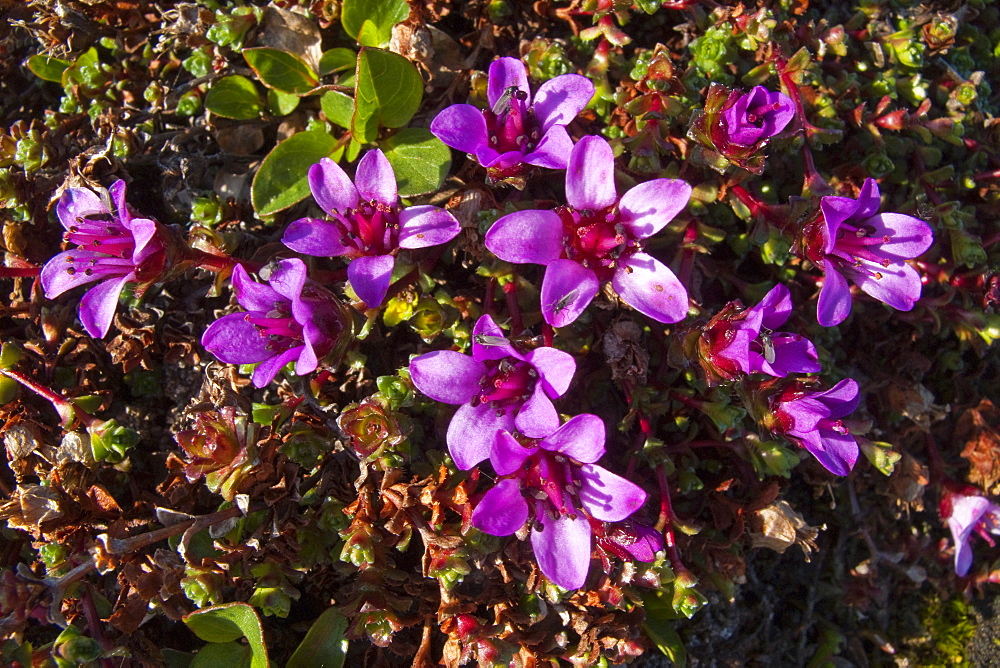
(282, 180)
(281, 70)
(370, 22)
(281, 104)
(387, 94)
(234, 97)
(421, 160)
(337, 60)
(49, 69)
(229, 654)
(227, 623)
(338, 108)
(324, 644)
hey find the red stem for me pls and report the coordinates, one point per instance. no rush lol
(19, 272)
(664, 523)
(513, 308)
(66, 408)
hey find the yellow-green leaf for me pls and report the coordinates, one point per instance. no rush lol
(281, 70)
(234, 97)
(282, 179)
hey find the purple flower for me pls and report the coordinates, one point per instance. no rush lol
(516, 131)
(968, 514)
(554, 480)
(598, 237)
(113, 248)
(811, 419)
(291, 319)
(749, 340)
(849, 239)
(498, 388)
(754, 116)
(366, 223)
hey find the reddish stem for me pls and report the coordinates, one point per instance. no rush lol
(19, 272)
(488, 297)
(64, 407)
(757, 208)
(548, 334)
(664, 523)
(513, 308)
(687, 253)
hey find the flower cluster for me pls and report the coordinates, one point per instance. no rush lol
(969, 514)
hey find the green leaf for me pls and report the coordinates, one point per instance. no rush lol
(281, 104)
(324, 644)
(229, 654)
(234, 97)
(337, 60)
(50, 69)
(420, 160)
(380, 15)
(282, 180)
(281, 70)
(225, 624)
(387, 94)
(659, 626)
(338, 108)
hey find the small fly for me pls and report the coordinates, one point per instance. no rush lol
(502, 105)
(767, 343)
(563, 302)
(487, 340)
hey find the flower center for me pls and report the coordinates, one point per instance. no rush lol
(101, 234)
(506, 382)
(550, 476)
(595, 239)
(371, 229)
(511, 124)
(278, 327)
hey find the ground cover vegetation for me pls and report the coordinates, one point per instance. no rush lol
(589, 332)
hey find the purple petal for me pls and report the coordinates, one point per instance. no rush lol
(97, 307)
(530, 236)
(77, 203)
(375, 179)
(537, 418)
(834, 303)
(502, 511)
(648, 207)
(423, 226)
(117, 192)
(504, 73)
(640, 541)
(792, 354)
(581, 438)
(560, 99)
(331, 187)
(251, 295)
(56, 279)
(897, 285)
(837, 452)
(462, 127)
(567, 290)
(966, 512)
(869, 201)
(146, 235)
(370, 277)
(234, 340)
(590, 177)
(500, 160)
(288, 277)
(841, 399)
(775, 307)
(495, 345)
(307, 360)
(447, 376)
(507, 454)
(562, 547)
(908, 236)
(473, 431)
(553, 151)
(555, 369)
(312, 236)
(607, 496)
(269, 368)
(836, 210)
(651, 288)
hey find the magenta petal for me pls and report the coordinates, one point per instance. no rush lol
(147, 238)
(775, 307)
(834, 303)
(837, 452)
(897, 285)
(473, 431)
(507, 454)
(607, 496)
(97, 307)
(792, 354)
(502, 511)
(288, 277)
(331, 187)
(251, 295)
(462, 127)
(56, 279)
(370, 277)
(966, 512)
(530, 236)
(447, 376)
(423, 226)
(489, 342)
(375, 179)
(269, 368)
(117, 192)
(553, 151)
(590, 177)
(648, 207)
(555, 369)
(560, 99)
(567, 290)
(504, 73)
(234, 340)
(562, 547)
(77, 203)
(869, 201)
(908, 236)
(537, 418)
(835, 210)
(582, 438)
(307, 360)
(841, 399)
(651, 288)
(312, 236)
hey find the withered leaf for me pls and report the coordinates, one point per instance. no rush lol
(779, 526)
(977, 428)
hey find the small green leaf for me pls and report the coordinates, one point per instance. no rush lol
(388, 92)
(381, 15)
(234, 97)
(47, 68)
(324, 644)
(225, 624)
(281, 104)
(659, 625)
(337, 60)
(282, 179)
(281, 70)
(420, 160)
(338, 108)
(229, 654)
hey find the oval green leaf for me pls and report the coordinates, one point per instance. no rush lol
(420, 160)
(324, 644)
(281, 70)
(387, 94)
(337, 108)
(47, 68)
(337, 60)
(234, 97)
(382, 15)
(282, 180)
(227, 623)
(229, 654)
(281, 104)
